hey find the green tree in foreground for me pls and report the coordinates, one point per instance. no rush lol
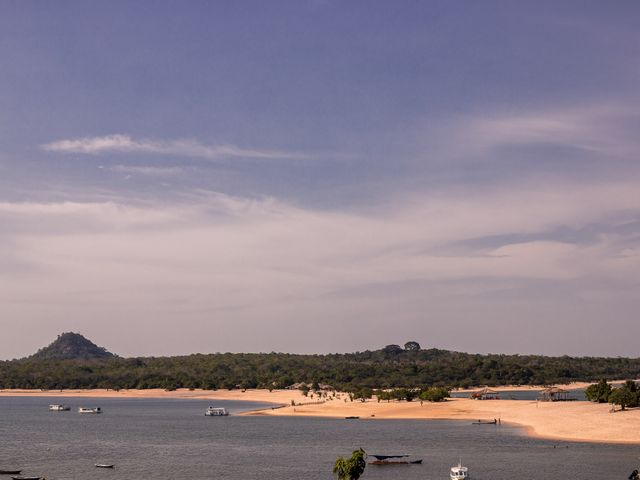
(625, 396)
(350, 468)
(434, 394)
(598, 392)
(363, 394)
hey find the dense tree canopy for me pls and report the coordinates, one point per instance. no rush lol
(413, 346)
(380, 369)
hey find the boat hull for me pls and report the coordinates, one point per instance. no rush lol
(89, 411)
(396, 462)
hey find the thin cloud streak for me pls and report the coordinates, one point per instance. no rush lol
(182, 147)
(601, 129)
(146, 170)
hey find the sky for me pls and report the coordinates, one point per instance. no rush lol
(318, 176)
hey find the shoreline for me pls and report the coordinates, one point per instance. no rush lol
(576, 421)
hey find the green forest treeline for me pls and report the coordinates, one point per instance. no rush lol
(392, 366)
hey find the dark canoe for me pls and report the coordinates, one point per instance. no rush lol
(393, 460)
(10, 472)
(351, 418)
(486, 422)
(396, 462)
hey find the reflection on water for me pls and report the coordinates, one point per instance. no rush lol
(162, 439)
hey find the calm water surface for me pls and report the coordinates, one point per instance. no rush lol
(577, 394)
(166, 439)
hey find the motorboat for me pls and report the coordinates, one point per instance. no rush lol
(104, 465)
(459, 472)
(393, 460)
(59, 408)
(216, 412)
(89, 410)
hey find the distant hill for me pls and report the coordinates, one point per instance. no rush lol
(71, 346)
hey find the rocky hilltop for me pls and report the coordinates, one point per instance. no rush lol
(71, 346)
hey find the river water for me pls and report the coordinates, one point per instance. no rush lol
(532, 395)
(167, 439)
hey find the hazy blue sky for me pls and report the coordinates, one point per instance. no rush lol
(315, 176)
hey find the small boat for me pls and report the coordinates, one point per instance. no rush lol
(89, 410)
(10, 472)
(59, 408)
(459, 472)
(26, 478)
(486, 422)
(216, 412)
(353, 417)
(104, 465)
(393, 460)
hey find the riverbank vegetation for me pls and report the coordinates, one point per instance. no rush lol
(387, 368)
(626, 395)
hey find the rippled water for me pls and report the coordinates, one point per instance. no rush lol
(166, 439)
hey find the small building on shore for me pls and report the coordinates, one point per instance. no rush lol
(486, 394)
(554, 394)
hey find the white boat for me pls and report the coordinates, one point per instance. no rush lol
(459, 472)
(216, 412)
(59, 408)
(90, 410)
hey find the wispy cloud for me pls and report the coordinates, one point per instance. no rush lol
(180, 147)
(592, 128)
(145, 170)
(604, 130)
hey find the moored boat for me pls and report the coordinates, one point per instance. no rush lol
(459, 472)
(89, 410)
(26, 478)
(216, 412)
(393, 460)
(59, 408)
(104, 465)
(10, 472)
(486, 422)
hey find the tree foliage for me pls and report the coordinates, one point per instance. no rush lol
(625, 396)
(598, 392)
(350, 468)
(434, 394)
(412, 346)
